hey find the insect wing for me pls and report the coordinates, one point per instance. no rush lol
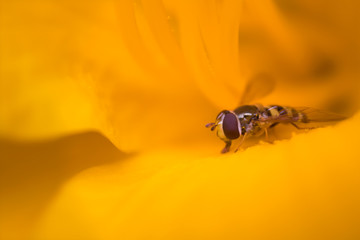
(257, 87)
(306, 117)
(316, 115)
(315, 118)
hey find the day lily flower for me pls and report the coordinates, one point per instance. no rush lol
(104, 106)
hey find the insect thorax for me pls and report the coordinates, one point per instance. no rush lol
(254, 118)
(248, 116)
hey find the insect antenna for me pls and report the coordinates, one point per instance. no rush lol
(212, 125)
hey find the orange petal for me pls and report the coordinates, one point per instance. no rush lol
(305, 188)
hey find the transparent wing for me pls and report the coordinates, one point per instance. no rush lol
(312, 118)
(315, 118)
(259, 86)
(317, 115)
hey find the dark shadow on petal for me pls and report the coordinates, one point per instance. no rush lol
(32, 173)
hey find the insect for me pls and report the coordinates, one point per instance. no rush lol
(255, 120)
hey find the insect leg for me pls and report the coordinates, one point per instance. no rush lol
(267, 139)
(241, 142)
(227, 147)
(300, 128)
(266, 130)
(266, 134)
(273, 125)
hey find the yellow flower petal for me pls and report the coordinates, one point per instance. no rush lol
(305, 188)
(149, 75)
(32, 173)
(85, 69)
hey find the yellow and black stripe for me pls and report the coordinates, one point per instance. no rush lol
(281, 112)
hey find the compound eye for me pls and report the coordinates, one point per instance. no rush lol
(230, 126)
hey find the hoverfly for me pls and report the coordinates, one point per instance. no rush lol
(255, 120)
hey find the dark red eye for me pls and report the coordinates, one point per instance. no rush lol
(230, 126)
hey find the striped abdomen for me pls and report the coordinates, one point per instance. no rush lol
(284, 114)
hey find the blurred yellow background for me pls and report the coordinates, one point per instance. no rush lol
(103, 106)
